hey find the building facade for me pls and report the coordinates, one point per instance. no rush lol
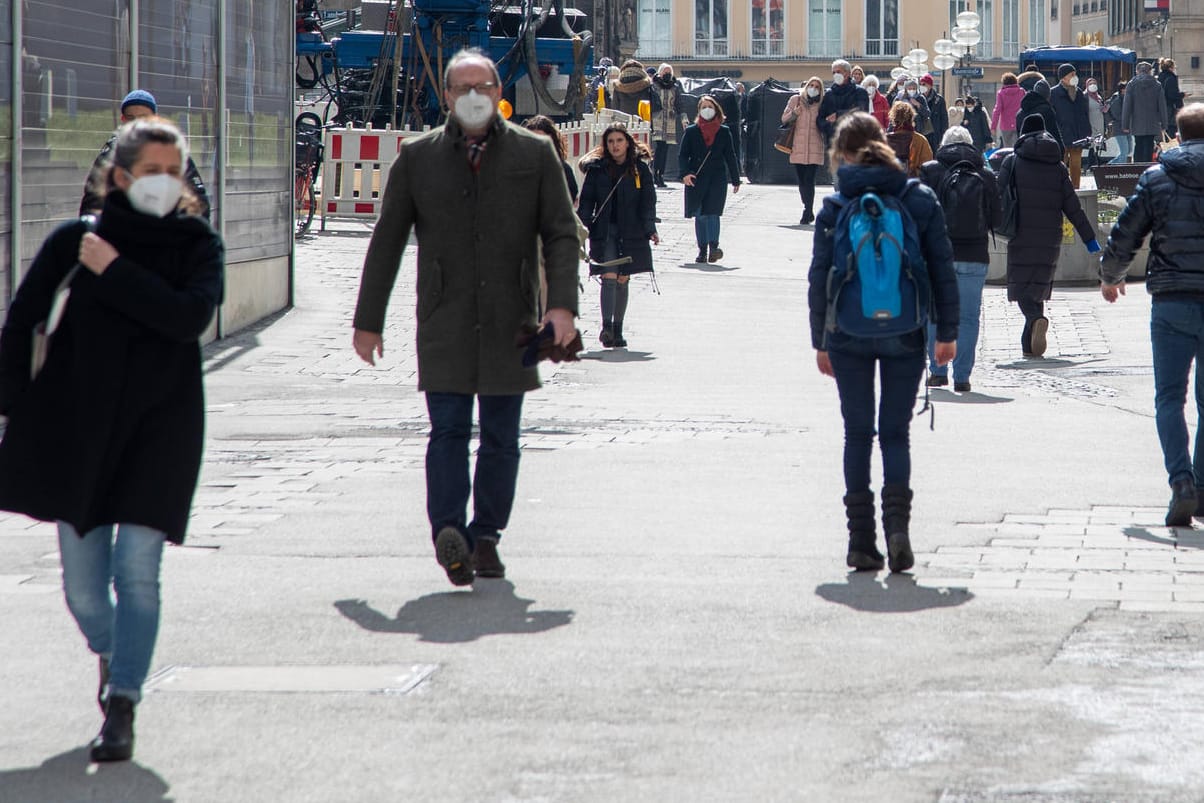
(222, 70)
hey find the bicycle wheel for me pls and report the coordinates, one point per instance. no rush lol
(304, 200)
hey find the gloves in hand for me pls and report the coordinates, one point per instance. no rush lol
(1093, 246)
(538, 345)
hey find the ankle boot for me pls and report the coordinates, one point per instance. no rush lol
(702, 255)
(863, 551)
(116, 739)
(620, 342)
(896, 521)
(104, 683)
(716, 252)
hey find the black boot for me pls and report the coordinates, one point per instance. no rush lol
(1183, 503)
(716, 252)
(620, 342)
(104, 683)
(896, 520)
(116, 739)
(701, 259)
(863, 551)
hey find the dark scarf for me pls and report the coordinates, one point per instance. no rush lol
(709, 129)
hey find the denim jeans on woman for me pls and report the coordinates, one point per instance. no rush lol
(1124, 143)
(899, 363)
(128, 564)
(971, 277)
(1177, 337)
(706, 229)
(496, 475)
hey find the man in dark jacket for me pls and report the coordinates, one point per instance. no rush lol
(138, 103)
(1043, 195)
(1037, 102)
(1167, 203)
(1144, 115)
(1074, 118)
(843, 97)
(938, 114)
(482, 195)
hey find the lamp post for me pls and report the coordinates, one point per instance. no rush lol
(944, 60)
(966, 35)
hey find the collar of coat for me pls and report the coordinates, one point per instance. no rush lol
(458, 135)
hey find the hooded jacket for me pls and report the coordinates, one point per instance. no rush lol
(1169, 204)
(1035, 103)
(1007, 105)
(1144, 114)
(933, 172)
(921, 203)
(1044, 193)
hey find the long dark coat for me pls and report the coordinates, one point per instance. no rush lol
(979, 126)
(1033, 103)
(708, 196)
(478, 253)
(112, 429)
(1074, 116)
(635, 207)
(1044, 193)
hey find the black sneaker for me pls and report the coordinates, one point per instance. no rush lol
(485, 560)
(454, 555)
(937, 381)
(961, 387)
(1183, 503)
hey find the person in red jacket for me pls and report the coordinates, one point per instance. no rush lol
(881, 107)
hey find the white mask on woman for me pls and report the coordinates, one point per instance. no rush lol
(155, 195)
(1092, 87)
(911, 93)
(812, 92)
(707, 113)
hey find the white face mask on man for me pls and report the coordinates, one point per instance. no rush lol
(838, 78)
(1074, 80)
(473, 110)
(154, 195)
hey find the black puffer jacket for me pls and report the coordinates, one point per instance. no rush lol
(1044, 193)
(1033, 103)
(631, 207)
(854, 181)
(1169, 202)
(932, 173)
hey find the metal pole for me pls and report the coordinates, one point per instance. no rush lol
(18, 144)
(221, 138)
(135, 10)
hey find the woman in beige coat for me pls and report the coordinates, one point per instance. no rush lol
(807, 153)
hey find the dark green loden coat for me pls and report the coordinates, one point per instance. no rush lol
(713, 172)
(112, 430)
(478, 262)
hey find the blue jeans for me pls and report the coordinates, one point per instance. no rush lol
(496, 475)
(971, 277)
(124, 632)
(706, 229)
(900, 365)
(1177, 337)
(1124, 142)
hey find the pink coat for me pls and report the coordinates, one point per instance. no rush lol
(1007, 106)
(808, 146)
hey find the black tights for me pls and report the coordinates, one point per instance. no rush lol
(659, 159)
(806, 184)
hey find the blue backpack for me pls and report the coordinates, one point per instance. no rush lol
(878, 285)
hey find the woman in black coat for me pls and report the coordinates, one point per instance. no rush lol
(1170, 88)
(977, 123)
(1043, 194)
(707, 162)
(618, 205)
(107, 438)
(1037, 102)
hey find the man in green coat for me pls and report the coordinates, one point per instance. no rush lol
(481, 195)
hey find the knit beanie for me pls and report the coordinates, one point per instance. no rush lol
(1042, 88)
(140, 97)
(926, 79)
(1065, 70)
(1034, 122)
(632, 71)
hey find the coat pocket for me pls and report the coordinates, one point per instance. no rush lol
(430, 288)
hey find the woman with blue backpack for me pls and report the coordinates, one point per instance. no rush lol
(880, 254)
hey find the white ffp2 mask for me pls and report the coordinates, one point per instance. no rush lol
(707, 113)
(473, 110)
(155, 195)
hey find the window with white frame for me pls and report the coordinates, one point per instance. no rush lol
(881, 27)
(655, 29)
(768, 28)
(1036, 22)
(1011, 29)
(710, 27)
(824, 28)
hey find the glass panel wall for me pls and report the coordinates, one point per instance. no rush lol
(6, 158)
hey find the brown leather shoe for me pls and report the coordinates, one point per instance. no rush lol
(485, 560)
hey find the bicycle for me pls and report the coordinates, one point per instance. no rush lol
(308, 157)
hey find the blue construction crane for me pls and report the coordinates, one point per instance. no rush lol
(357, 66)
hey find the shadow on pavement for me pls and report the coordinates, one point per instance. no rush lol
(710, 267)
(491, 608)
(972, 397)
(896, 593)
(1191, 539)
(71, 776)
(1037, 364)
(619, 355)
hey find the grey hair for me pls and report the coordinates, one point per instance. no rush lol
(471, 54)
(132, 137)
(665, 66)
(957, 134)
(1144, 67)
(911, 82)
(842, 64)
(871, 80)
